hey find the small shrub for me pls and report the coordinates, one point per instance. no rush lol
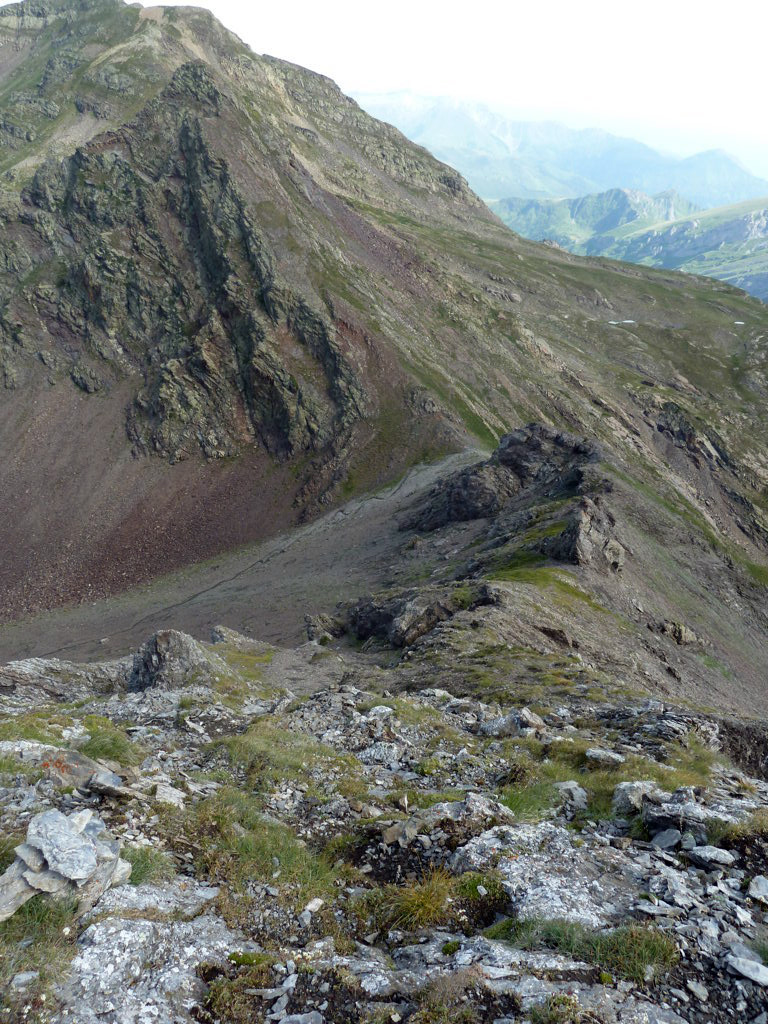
(449, 948)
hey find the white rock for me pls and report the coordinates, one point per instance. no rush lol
(698, 990)
(749, 969)
(573, 794)
(628, 797)
(711, 857)
(758, 889)
(166, 794)
(599, 756)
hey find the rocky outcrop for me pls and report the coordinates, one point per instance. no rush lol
(34, 681)
(442, 797)
(403, 618)
(171, 659)
(534, 460)
(235, 355)
(588, 538)
(63, 856)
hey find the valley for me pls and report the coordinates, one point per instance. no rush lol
(383, 595)
(729, 243)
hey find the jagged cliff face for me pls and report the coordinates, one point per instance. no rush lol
(169, 276)
(229, 297)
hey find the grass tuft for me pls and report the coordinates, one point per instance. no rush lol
(633, 952)
(418, 904)
(148, 865)
(109, 742)
(40, 936)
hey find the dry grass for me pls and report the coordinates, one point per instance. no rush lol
(417, 904)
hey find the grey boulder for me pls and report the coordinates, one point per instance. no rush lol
(65, 856)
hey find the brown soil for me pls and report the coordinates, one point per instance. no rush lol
(264, 590)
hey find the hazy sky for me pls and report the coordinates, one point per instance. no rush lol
(683, 75)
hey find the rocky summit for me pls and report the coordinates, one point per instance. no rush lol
(384, 623)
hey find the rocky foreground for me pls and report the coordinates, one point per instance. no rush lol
(351, 855)
(461, 798)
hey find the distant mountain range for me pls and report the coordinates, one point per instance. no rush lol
(538, 160)
(576, 223)
(729, 242)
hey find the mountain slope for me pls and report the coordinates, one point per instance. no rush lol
(573, 222)
(539, 160)
(729, 243)
(245, 300)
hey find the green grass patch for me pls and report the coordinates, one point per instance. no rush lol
(753, 827)
(760, 946)
(40, 936)
(108, 741)
(38, 726)
(531, 802)
(12, 766)
(535, 768)
(8, 844)
(148, 865)
(627, 952)
(271, 755)
(239, 844)
(759, 573)
(525, 568)
(231, 999)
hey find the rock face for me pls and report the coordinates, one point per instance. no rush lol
(63, 856)
(588, 538)
(109, 974)
(228, 382)
(400, 620)
(535, 459)
(169, 660)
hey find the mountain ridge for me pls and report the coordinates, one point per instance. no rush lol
(477, 528)
(502, 157)
(727, 242)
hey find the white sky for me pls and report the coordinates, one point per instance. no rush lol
(682, 75)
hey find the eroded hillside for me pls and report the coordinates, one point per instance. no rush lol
(229, 298)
